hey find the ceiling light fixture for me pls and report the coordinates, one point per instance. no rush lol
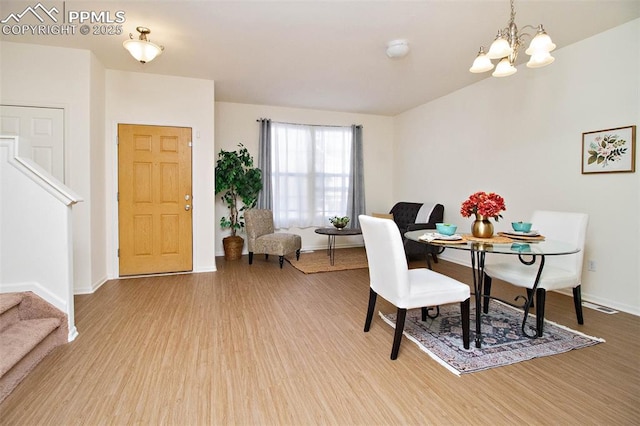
(505, 48)
(142, 49)
(397, 48)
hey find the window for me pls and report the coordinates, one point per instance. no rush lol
(311, 173)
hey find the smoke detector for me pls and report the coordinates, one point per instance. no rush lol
(397, 48)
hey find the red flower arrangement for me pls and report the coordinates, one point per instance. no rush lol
(485, 204)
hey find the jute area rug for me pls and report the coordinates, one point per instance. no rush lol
(318, 261)
(502, 340)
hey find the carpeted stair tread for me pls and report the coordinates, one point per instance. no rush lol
(20, 338)
(8, 301)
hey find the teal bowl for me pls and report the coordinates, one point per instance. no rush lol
(521, 226)
(446, 228)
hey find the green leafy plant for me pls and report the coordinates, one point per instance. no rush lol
(237, 180)
(339, 222)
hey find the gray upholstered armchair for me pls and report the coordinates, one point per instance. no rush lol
(414, 216)
(261, 237)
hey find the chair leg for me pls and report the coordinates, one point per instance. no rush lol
(250, 257)
(487, 293)
(266, 256)
(577, 302)
(464, 313)
(397, 336)
(298, 254)
(530, 296)
(281, 260)
(540, 297)
(429, 255)
(372, 304)
(423, 310)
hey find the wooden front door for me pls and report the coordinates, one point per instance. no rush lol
(154, 199)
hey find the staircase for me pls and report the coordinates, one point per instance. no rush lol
(30, 328)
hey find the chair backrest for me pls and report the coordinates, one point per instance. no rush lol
(388, 269)
(406, 213)
(567, 227)
(258, 222)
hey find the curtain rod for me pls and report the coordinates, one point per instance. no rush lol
(303, 124)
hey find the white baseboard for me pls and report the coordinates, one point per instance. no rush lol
(90, 290)
(73, 333)
(39, 290)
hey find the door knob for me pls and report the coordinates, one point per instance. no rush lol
(187, 207)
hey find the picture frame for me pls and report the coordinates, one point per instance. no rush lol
(609, 150)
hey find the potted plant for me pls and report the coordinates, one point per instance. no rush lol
(237, 180)
(339, 222)
(484, 206)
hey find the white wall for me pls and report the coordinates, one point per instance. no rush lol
(139, 98)
(36, 75)
(521, 137)
(236, 123)
(98, 205)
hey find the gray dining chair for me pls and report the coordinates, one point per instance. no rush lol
(559, 272)
(391, 278)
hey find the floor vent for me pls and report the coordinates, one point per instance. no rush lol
(599, 308)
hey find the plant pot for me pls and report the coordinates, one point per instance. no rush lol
(482, 227)
(232, 247)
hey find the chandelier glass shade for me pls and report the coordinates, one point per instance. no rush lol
(142, 49)
(504, 68)
(505, 49)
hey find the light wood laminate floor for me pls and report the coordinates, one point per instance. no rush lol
(250, 345)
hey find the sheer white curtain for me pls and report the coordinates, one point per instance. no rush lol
(311, 173)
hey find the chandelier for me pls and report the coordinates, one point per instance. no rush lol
(505, 49)
(142, 49)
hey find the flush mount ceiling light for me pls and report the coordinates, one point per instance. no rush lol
(397, 48)
(142, 49)
(505, 49)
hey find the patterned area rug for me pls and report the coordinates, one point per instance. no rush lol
(318, 261)
(502, 339)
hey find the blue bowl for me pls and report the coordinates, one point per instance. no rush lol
(521, 226)
(446, 228)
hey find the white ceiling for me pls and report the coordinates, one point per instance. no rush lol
(326, 55)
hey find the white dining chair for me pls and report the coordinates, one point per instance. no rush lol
(391, 278)
(559, 272)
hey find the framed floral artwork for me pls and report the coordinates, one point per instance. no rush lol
(609, 151)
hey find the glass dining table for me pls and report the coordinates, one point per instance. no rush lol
(528, 252)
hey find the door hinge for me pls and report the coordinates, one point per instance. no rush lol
(118, 252)
(118, 197)
(117, 140)
(190, 144)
